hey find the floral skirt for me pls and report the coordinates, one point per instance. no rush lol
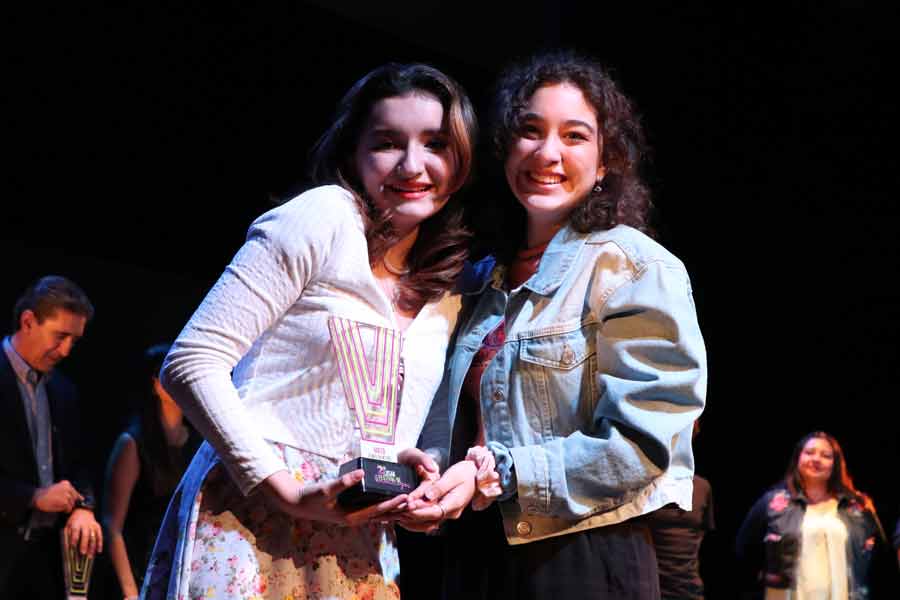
(230, 546)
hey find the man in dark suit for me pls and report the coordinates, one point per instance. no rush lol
(42, 486)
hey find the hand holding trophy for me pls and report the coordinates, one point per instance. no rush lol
(373, 385)
(80, 540)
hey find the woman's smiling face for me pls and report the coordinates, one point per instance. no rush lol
(816, 461)
(403, 159)
(555, 158)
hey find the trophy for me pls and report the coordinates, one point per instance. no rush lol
(77, 569)
(372, 384)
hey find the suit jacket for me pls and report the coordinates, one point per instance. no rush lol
(18, 465)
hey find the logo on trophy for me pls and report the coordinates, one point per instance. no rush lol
(373, 385)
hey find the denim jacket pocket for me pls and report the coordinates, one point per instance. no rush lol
(565, 351)
(559, 378)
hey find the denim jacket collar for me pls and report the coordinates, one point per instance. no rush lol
(558, 258)
(560, 255)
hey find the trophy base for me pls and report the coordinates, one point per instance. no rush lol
(382, 481)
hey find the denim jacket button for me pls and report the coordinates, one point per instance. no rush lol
(568, 355)
(523, 528)
(498, 395)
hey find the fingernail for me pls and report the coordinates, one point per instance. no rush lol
(431, 493)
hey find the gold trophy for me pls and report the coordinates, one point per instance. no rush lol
(373, 385)
(77, 569)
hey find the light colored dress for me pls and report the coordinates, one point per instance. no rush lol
(258, 372)
(241, 548)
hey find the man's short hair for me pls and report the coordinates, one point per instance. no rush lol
(49, 294)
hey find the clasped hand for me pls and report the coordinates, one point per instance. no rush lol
(473, 480)
(437, 498)
(435, 501)
(318, 501)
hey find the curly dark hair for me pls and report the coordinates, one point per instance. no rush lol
(437, 257)
(839, 482)
(624, 198)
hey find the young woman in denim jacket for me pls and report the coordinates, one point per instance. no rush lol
(578, 368)
(814, 535)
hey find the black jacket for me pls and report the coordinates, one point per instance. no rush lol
(18, 465)
(769, 540)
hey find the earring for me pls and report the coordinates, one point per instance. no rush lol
(597, 187)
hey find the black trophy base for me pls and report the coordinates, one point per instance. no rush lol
(383, 480)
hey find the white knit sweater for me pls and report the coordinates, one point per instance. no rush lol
(266, 318)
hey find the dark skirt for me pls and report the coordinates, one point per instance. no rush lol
(617, 561)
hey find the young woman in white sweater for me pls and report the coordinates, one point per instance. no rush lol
(371, 254)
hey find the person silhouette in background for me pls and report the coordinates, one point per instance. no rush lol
(677, 536)
(144, 468)
(814, 535)
(43, 481)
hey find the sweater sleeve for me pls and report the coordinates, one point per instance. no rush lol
(285, 249)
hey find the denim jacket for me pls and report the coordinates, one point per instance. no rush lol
(589, 404)
(771, 533)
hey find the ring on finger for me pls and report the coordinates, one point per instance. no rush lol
(443, 512)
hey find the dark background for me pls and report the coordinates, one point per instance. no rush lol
(142, 141)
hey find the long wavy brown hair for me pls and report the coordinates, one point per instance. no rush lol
(624, 198)
(839, 483)
(441, 248)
